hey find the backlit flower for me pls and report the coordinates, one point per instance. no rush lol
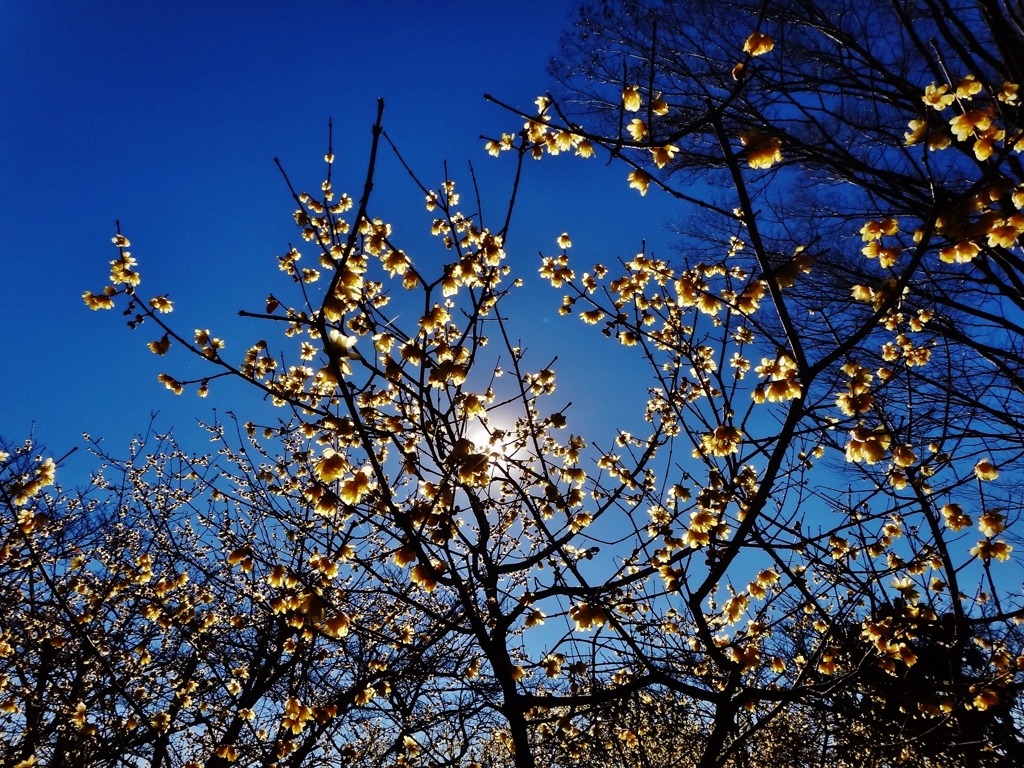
(968, 87)
(663, 155)
(723, 441)
(986, 550)
(639, 179)
(631, 98)
(985, 470)
(586, 616)
(637, 129)
(758, 43)
(97, 301)
(332, 466)
(954, 516)
(867, 445)
(762, 151)
(966, 124)
(938, 97)
(917, 133)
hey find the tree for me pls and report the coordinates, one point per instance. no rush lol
(788, 546)
(186, 612)
(891, 113)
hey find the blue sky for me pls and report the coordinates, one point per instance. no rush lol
(167, 116)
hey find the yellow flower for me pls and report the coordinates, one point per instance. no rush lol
(631, 98)
(750, 300)
(986, 550)
(637, 129)
(553, 664)
(917, 133)
(867, 445)
(903, 456)
(337, 626)
(171, 383)
(723, 441)
(344, 346)
(985, 699)
(983, 148)
(563, 141)
(79, 718)
(992, 523)
(663, 155)
(873, 230)
(961, 253)
(161, 304)
(966, 124)
(564, 241)
(968, 87)
(762, 151)
(851, 404)
(939, 139)
(659, 106)
(784, 383)
(357, 486)
(985, 470)
(938, 97)
(888, 256)
(506, 143)
(639, 179)
(160, 347)
(734, 608)
(586, 616)
(404, 555)
(424, 576)
(121, 270)
(332, 466)
(1004, 234)
(787, 274)
(758, 43)
(98, 301)
(447, 373)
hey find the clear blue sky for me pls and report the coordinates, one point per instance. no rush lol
(167, 116)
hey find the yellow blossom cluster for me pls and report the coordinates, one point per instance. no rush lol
(783, 380)
(867, 445)
(977, 124)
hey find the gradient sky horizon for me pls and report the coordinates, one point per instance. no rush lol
(167, 117)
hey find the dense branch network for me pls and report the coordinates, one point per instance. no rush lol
(428, 563)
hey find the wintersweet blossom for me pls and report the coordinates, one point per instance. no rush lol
(639, 179)
(758, 44)
(762, 151)
(631, 98)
